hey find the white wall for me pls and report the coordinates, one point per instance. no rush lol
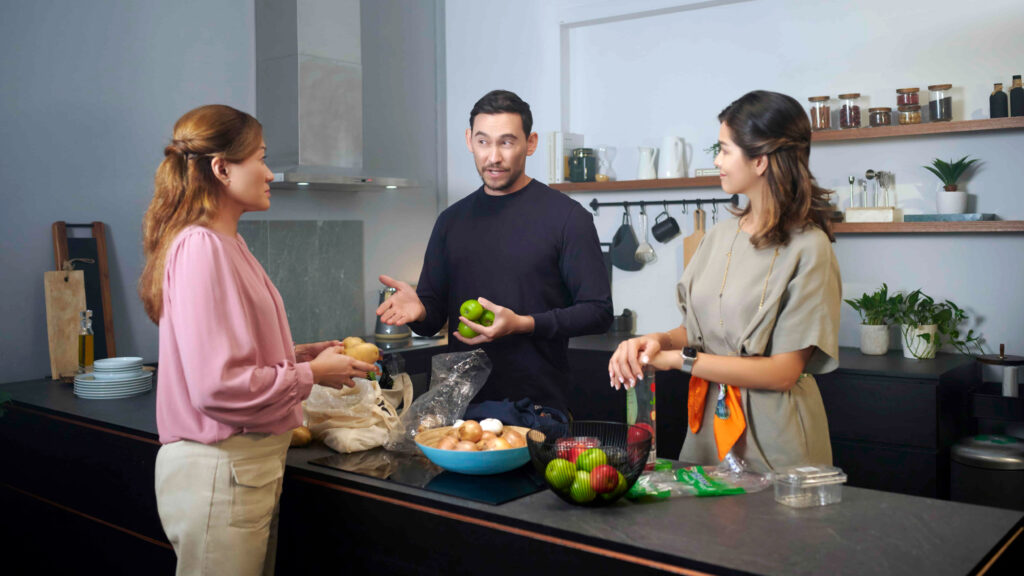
(90, 95)
(91, 92)
(633, 80)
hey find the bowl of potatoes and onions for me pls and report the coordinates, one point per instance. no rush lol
(471, 447)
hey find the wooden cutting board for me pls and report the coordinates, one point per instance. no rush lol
(65, 300)
(691, 242)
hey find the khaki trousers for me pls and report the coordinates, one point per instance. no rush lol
(218, 502)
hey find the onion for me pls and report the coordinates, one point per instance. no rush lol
(492, 425)
(447, 443)
(514, 438)
(471, 431)
(499, 444)
(458, 423)
(466, 446)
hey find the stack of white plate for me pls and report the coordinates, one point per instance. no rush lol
(111, 378)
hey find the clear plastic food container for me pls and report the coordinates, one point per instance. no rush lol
(806, 486)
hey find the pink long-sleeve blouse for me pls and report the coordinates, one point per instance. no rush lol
(227, 361)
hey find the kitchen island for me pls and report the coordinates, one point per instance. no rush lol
(78, 493)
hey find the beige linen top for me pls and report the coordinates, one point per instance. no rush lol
(801, 309)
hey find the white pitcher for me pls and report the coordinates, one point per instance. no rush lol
(645, 170)
(674, 161)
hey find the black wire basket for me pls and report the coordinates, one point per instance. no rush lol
(589, 463)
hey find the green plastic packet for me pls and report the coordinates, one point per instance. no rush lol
(696, 479)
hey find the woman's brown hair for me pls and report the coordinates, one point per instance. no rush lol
(186, 189)
(775, 126)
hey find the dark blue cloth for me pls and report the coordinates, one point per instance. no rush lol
(536, 252)
(519, 413)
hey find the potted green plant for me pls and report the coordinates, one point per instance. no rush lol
(953, 200)
(875, 310)
(926, 325)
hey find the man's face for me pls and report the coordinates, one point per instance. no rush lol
(500, 148)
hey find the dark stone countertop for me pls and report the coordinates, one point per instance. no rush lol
(868, 532)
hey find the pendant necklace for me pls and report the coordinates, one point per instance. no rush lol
(721, 410)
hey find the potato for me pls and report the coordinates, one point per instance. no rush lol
(364, 352)
(351, 342)
(301, 436)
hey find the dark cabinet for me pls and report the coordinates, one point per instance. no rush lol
(892, 420)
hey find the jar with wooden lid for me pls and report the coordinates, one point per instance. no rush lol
(849, 111)
(940, 103)
(909, 115)
(907, 97)
(821, 113)
(881, 116)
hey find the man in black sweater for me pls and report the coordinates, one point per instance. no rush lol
(527, 252)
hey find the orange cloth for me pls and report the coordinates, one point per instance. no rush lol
(727, 431)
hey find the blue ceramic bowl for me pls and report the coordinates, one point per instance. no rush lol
(477, 463)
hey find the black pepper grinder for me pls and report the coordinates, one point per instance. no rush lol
(998, 105)
(1017, 97)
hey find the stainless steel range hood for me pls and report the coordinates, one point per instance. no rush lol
(309, 96)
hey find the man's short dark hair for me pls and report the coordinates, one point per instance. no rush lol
(502, 101)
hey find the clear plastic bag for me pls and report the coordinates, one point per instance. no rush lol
(728, 478)
(454, 380)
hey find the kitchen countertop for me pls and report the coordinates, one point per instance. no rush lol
(869, 532)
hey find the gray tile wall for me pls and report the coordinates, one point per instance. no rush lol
(317, 266)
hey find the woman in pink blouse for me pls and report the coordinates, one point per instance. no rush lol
(230, 380)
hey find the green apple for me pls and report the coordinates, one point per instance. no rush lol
(591, 458)
(487, 318)
(581, 491)
(466, 330)
(471, 309)
(560, 474)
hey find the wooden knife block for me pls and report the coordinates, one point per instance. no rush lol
(65, 300)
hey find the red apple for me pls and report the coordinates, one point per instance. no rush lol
(604, 479)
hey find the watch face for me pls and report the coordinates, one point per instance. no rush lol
(690, 352)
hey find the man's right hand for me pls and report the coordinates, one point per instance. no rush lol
(403, 306)
(333, 369)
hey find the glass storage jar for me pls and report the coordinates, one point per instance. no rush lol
(910, 115)
(907, 97)
(849, 111)
(879, 116)
(583, 165)
(821, 113)
(940, 104)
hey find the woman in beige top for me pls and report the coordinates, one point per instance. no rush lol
(760, 302)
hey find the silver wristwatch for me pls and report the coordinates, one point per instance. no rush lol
(689, 356)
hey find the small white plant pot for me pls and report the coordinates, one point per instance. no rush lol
(874, 339)
(916, 347)
(951, 202)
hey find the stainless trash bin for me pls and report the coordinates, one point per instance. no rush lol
(988, 469)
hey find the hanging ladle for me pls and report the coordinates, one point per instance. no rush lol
(645, 252)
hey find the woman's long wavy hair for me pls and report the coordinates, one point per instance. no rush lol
(775, 126)
(185, 188)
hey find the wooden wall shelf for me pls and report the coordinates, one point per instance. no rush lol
(977, 227)
(620, 185)
(988, 124)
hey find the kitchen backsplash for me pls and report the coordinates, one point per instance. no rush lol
(317, 266)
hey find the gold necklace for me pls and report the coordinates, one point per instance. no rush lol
(725, 276)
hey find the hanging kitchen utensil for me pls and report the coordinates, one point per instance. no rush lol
(665, 226)
(624, 245)
(645, 252)
(691, 242)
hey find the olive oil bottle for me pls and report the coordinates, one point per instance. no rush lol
(86, 352)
